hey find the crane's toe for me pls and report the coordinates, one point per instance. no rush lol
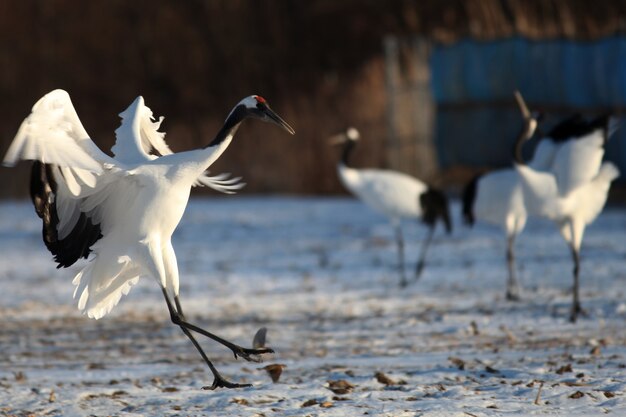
(577, 311)
(419, 269)
(513, 295)
(251, 355)
(220, 382)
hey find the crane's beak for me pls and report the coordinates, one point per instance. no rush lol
(276, 119)
(522, 105)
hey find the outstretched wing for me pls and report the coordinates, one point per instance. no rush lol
(223, 183)
(53, 134)
(578, 161)
(68, 167)
(138, 140)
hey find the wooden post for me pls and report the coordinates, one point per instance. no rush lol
(410, 107)
(424, 110)
(392, 76)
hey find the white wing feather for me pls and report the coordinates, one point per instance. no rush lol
(53, 134)
(499, 196)
(578, 161)
(222, 183)
(392, 193)
(138, 135)
(540, 190)
(543, 156)
(595, 193)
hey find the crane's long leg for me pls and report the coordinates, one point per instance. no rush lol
(178, 318)
(576, 308)
(577, 229)
(400, 242)
(512, 286)
(238, 351)
(422, 259)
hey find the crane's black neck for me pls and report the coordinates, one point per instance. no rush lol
(231, 125)
(519, 143)
(347, 151)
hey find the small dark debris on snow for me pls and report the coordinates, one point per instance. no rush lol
(474, 327)
(385, 380)
(573, 384)
(309, 403)
(565, 368)
(274, 371)
(337, 398)
(491, 370)
(240, 401)
(458, 362)
(577, 395)
(340, 387)
(596, 351)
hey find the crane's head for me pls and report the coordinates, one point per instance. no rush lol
(351, 134)
(257, 107)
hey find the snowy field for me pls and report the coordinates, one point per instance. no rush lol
(320, 274)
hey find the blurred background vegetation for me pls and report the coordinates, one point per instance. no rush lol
(405, 72)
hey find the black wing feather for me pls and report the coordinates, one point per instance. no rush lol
(77, 244)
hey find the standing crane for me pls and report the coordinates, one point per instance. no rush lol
(496, 197)
(573, 191)
(395, 195)
(124, 208)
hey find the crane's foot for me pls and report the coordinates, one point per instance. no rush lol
(251, 355)
(577, 311)
(220, 382)
(418, 270)
(512, 296)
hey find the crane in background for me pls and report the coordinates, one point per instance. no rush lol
(496, 197)
(395, 195)
(573, 191)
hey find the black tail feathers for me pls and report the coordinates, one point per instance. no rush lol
(435, 206)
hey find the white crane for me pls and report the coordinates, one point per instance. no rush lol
(124, 208)
(574, 190)
(496, 197)
(396, 195)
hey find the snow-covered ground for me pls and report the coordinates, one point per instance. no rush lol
(320, 274)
